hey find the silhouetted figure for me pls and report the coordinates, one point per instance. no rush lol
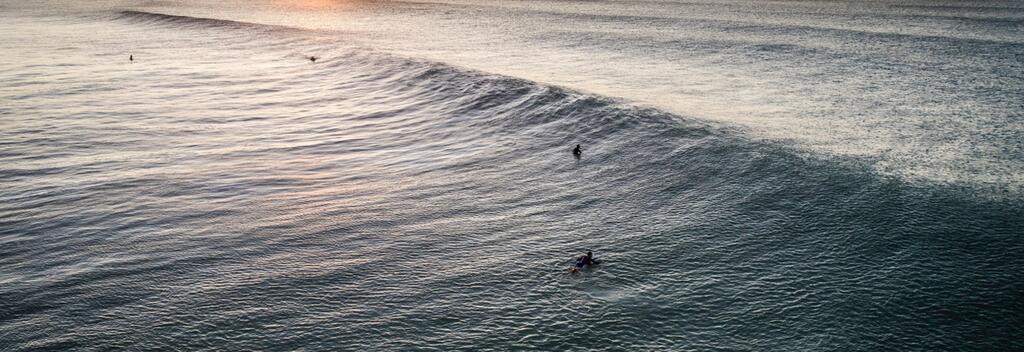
(313, 58)
(584, 261)
(130, 58)
(577, 152)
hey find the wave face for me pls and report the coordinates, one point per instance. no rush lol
(222, 191)
(923, 90)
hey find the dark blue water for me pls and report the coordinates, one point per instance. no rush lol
(222, 192)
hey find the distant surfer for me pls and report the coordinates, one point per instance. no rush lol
(584, 261)
(131, 59)
(577, 152)
(313, 58)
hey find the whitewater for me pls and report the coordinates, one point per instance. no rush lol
(755, 175)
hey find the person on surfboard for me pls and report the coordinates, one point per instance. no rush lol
(577, 151)
(584, 261)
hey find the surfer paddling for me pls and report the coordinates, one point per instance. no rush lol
(583, 262)
(577, 152)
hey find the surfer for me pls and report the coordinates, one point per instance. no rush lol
(130, 58)
(313, 58)
(577, 151)
(584, 261)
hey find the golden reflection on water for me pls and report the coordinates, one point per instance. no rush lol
(313, 4)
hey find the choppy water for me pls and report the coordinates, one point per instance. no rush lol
(221, 192)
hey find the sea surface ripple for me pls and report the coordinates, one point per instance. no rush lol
(223, 192)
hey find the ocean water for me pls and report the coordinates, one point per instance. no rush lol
(755, 175)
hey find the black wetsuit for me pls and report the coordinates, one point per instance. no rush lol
(583, 261)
